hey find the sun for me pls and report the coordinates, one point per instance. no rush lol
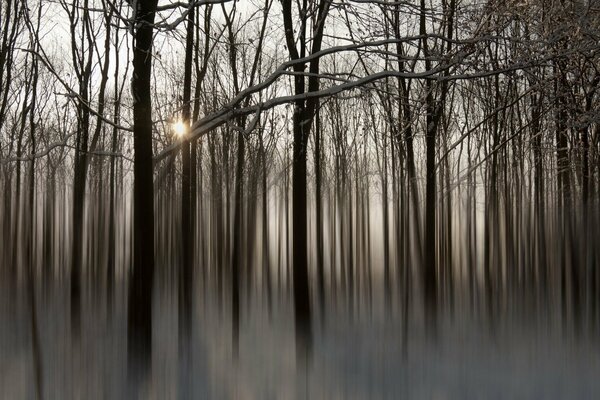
(179, 128)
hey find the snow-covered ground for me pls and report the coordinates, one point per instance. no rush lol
(368, 356)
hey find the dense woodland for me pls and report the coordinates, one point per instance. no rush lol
(426, 158)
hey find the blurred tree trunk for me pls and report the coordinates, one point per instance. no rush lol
(187, 242)
(139, 333)
(82, 56)
(302, 121)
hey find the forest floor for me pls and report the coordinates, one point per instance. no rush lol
(368, 356)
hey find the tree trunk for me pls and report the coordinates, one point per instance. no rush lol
(139, 334)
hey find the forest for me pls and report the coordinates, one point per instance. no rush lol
(277, 199)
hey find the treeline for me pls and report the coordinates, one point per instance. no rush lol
(437, 152)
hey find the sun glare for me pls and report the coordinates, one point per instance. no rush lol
(179, 128)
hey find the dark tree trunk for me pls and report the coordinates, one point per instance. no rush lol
(302, 121)
(430, 267)
(139, 334)
(81, 158)
(319, 215)
(266, 257)
(236, 257)
(300, 267)
(186, 268)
